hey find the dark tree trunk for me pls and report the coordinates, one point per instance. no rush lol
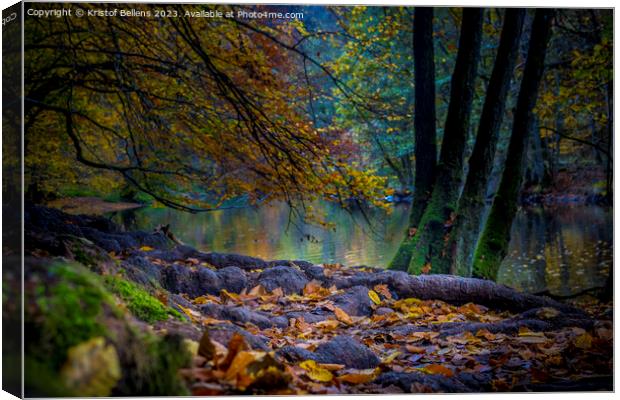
(493, 243)
(424, 125)
(429, 237)
(465, 233)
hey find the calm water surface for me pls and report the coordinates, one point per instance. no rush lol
(564, 249)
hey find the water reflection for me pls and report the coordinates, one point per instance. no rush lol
(562, 249)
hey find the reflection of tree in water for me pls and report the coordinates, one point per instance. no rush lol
(564, 250)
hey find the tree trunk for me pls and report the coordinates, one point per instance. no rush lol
(424, 125)
(465, 233)
(429, 238)
(493, 243)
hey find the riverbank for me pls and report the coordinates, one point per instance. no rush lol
(293, 327)
(90, 205)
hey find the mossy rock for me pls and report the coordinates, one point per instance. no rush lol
(139, 302)
(66, 306)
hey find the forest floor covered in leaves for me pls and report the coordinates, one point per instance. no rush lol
(292, 327)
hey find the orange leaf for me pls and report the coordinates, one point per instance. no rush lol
(438, 369)
(342, 315)
(363, 376)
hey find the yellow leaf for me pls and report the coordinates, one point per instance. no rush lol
(315, 372)
(523, 331)
(374, 297)
(390, 358)
(583, 341)
(189, 313)
(146, 248)
(92, 368)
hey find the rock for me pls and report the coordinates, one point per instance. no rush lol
(222, 333)
(289, 279)
(180, 279)
(354, 301)
(156, 240)
(308, 317)
(183, 329)
(208, 281)
(232, 279)
(243, 315)
(383, 311)
(340, 350)
(348, 351)
(310, 270)
(103, 240)
(234, 260)
(152, 271)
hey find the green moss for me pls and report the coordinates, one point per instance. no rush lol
(70, 311)
(491, 250)
(139, 302)
(152, 366)
(400, 262)
(66, 304)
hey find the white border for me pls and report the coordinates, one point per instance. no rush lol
(471, 3)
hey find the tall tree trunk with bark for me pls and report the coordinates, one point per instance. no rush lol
(466, 230)
(424, 125)
(493, 243)
(429, 237)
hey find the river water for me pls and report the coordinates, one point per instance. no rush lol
(562, 249)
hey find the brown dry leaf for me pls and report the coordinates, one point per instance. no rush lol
(328, 324)
(238, 368)
(437, 369)
(415, 349)
(193, 261)
(236, 345)
(206, 348)
(277, 292)
(311, 287)
(383, 289)
(332, 367)
(301, 325)
(486, 334)
(342, 315)
(471, 308)
(360, 377)
(258, 290)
